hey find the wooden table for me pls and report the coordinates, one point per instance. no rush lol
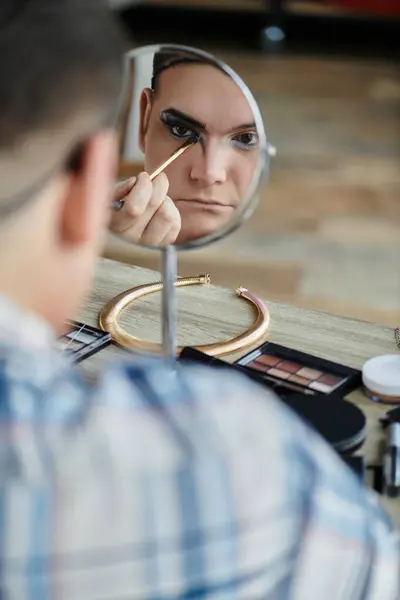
(207, 313)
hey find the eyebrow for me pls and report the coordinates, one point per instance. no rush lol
(173, 112)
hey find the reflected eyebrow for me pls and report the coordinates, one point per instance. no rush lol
(191, 122)
(187, 119)
(244, 127)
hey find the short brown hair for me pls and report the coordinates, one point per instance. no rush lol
(166, 59)
(58, 58)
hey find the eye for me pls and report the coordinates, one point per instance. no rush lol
(177, 127)
(247, 140)
(181, 132)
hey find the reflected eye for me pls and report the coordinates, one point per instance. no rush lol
(177, 127)
(181, 132)
(247, 140)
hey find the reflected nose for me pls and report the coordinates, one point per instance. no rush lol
(209, 164)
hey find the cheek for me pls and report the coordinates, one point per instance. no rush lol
(176, 177)
(243, 168)
(158, 146)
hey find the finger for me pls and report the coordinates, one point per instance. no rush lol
(159, 193)
(130, 217)
(123, 188)
(176, 224)
(164, 227)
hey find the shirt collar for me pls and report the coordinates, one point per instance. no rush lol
(23, 329)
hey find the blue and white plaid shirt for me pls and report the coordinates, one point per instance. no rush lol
(161, 486)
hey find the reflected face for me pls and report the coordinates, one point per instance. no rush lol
(211, 178)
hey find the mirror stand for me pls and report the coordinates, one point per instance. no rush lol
(169, 271)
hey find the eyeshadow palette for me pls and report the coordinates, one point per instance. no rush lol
(81, 341)
(290, 371)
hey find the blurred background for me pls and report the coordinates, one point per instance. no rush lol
(326, 234)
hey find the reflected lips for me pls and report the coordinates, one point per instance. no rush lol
(208, 203)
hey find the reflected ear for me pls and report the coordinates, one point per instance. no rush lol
(146, 104)
(85, 206)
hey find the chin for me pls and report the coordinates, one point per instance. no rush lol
(199, 231)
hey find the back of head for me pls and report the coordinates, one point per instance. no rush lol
(59, 80)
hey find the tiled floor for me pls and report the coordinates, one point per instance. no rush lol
(326, 233)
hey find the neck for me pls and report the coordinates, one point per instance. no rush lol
(25, 259)
(23, 289)
(22, 269)
(22, 328)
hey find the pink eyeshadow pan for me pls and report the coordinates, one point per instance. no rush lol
(309, 373)
(330, 380)
(288, 366)
(266, 359)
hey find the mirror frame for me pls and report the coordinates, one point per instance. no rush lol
(249, 203)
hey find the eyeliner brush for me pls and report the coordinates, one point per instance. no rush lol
(172, 158)
(118, 204)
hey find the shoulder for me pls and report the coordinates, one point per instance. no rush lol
(194, 400)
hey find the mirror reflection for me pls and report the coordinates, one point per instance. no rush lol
(190, 149)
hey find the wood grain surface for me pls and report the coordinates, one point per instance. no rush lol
(208, 313)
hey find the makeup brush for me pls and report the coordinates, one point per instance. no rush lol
(118, 204)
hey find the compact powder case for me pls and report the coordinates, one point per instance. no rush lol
(341, 423)
(381, 378)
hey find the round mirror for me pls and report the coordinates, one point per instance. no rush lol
(193, 150)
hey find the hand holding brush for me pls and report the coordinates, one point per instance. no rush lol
(143, 212)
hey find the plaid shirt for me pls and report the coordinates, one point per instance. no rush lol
(154, 485)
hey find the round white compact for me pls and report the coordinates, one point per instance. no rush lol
(381, 378)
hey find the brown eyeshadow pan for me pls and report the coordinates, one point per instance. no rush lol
(258, 366)
(268, 360)
(299, 380)
(288, 366)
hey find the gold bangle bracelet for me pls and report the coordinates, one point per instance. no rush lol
(109, 320)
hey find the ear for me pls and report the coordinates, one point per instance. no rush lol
(146, 104)
(85, 208)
